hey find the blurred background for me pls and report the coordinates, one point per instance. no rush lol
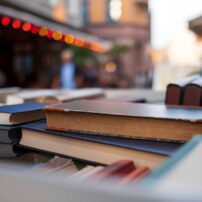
(99, 43)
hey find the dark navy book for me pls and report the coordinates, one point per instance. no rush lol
(21, 113)
(158, 147)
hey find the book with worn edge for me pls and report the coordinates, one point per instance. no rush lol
(158, 147)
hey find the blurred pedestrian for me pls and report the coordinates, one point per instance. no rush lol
(67, 71)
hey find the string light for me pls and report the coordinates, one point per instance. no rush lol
(5, 21)
(50, 34)
(69, 39)
(43, 31)
(26, 27)
(56, 35)
(34, 29)
(16, 24)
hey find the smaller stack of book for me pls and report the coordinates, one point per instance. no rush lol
(12, 117)
(122, 172)
(186, 92)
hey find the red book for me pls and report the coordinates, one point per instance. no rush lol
(135, 175)
(175, 91)
(117, 169)
(193, 93)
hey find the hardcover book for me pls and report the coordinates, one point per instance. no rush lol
(175, 91)
(132, 120)
(193, 93)
(99, 149)
(21, 113)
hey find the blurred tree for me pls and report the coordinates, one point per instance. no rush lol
(81, 56)
(117, 50)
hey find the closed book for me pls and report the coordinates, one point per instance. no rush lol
(29, 95)
(11, 150)
(175, 90)
(93, 148)
(193, 93)
(115, 170)
(66, 96)
(10, 134)
(21, 113)
(132, 120)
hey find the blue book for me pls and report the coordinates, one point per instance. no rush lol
(21, 113)
(182, 170)
(94, 148)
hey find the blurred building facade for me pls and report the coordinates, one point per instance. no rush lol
(126, 22)
(26, 55)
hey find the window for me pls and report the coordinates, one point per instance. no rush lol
(115, 10)
(85, 12)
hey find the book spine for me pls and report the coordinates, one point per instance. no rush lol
(117, 169)
(192, 95)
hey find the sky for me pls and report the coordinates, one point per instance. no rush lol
(171, 16)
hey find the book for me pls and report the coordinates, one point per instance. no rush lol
(181, 171)
(175, 90)
(132, 120)
(99, 149)
(11, 150)
(10, 134)
(66, 96)
(29, 95)
(53, 96)
(21, 113)
(193, 93)
(115, 170)
(135, 175)
(4, 92)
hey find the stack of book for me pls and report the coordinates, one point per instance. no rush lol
(103, 132)
(12, 117)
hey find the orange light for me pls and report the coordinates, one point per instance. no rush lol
(5, 21)
(79, 42)
(34, 29)
(26, 27)
(69, 39)
(16, 24)
(43, 31)
(57, 35)
(96, 47)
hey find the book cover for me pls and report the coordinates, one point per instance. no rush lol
(193, 93)
(158, 147)
(21, 113)
(133, 120)
(175, 90)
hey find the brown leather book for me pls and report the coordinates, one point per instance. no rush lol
(193, 93)
(175, 91)
(133, 120)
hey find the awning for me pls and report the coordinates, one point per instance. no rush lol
(57, 26)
